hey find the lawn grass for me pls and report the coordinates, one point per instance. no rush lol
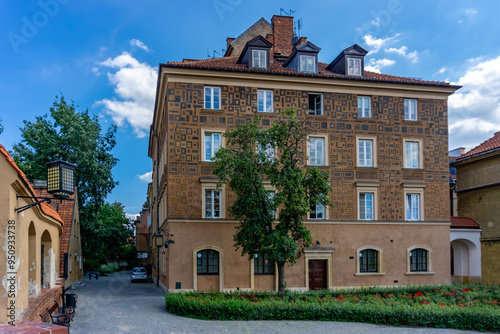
(470, 307)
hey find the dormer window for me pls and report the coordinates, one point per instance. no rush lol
(354, 66)
(307, 64)
(259, 58)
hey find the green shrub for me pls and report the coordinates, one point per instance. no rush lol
(446, 306)
(106, 269)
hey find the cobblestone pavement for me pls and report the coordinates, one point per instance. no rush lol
(115, 305)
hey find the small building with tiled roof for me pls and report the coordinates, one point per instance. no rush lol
(465, 236)
(478, 188)
(381, 138)
(30, 243)
(71, 266)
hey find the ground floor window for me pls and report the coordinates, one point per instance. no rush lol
(208, 262)
(263, 265)
(368, 261)
(418, 260)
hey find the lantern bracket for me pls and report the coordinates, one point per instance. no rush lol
(39, 201)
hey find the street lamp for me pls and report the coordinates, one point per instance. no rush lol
(159, 240)
(60, 178)
(60, 184)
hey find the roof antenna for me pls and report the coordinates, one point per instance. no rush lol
(289, 13)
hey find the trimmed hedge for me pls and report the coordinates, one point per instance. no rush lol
(459, 307)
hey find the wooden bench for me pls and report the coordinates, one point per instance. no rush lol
(58, 318)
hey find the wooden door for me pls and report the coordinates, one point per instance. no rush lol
(317, 274)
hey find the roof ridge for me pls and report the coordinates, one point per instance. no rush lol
(484, 147)
(47, 209)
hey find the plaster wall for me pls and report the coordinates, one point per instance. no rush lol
(16, 282)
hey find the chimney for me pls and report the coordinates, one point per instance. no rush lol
(301, 41)
(283, 34)
(229, 40)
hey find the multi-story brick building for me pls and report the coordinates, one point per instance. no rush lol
(478, 187)
(383, 139)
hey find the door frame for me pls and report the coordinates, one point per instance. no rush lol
(319, 254)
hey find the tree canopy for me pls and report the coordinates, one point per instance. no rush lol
(76, 137)
(73, 136)
(266, 170)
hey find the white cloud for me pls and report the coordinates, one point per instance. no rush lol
(139, 44)
(374, 65)
(131, 217)
(470, 11)
(134, 85)
(475, 109)
(96, 71)
(403, 51)
(146, 177)
(375, 44)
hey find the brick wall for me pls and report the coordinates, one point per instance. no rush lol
(186, 118)
(37, 306)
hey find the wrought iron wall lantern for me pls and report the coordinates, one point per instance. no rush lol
(60, 184)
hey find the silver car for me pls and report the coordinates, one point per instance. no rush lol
(139, 273)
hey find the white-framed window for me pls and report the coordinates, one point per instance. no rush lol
(366, 204)
(212, 143)
(259, 58)
(412, 154)
(412, 206)
(365, 153)
(212, 203)
(308, 64)
(267, 151)
(315, 103)
(411, 110)
(353, 66)
(317, 151)
(212, 97)
(265, 100)
(317, 211)
(364, 106)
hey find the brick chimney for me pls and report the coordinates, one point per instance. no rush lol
(283, 34)
(228, 41)
(301, 40)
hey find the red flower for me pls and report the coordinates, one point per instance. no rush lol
(389, 295)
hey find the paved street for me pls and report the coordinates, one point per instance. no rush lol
(114, 305)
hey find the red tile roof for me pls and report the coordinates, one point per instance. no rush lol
(66, 211)
(491, 144)
(229, 64)
(47, 209)
(464, 222)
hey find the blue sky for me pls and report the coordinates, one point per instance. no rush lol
(104, 56)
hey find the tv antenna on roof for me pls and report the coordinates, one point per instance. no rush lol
(289, 13)
(298, 25)
(215, 53)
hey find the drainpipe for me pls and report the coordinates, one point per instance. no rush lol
(157, 205)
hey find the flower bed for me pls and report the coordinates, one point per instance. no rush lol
(469, 307)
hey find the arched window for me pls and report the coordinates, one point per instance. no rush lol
(418, 260)
(208, 262)
(368, 261)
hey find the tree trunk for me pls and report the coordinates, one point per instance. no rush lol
(281, 277)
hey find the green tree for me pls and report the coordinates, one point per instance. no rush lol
(246, 163)
(77, 137)
(1, 126)
(113, 232)
(73, 136)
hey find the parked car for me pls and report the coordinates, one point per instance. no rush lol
(139, 274)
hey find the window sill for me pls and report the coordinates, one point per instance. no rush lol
(263, 274)
(212, 110)
(416, 121)
(313, 115)
(366, 167)
(369, 274)
(211, 274)
(265, 112)
(413, 273)
(413, 169)
(308, 165)
(364, 118)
